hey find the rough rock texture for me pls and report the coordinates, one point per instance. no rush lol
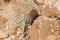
(47, 25)
(44, 27)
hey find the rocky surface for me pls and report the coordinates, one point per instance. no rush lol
(46, 26)
(14, 13)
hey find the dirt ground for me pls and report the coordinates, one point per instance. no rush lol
(15, 16)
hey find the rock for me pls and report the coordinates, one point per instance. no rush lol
(7, 39)
(3, 34)
(12, 30)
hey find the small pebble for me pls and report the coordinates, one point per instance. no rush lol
(39, 26)
(41, 23)
(50, 6)
(51, 25)
(13, 36)
(7, 39)
(57, 26)
(38, 31)
(53, 19)
(44, 6)
(52, 30)
(29, 27)
(51, 37)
